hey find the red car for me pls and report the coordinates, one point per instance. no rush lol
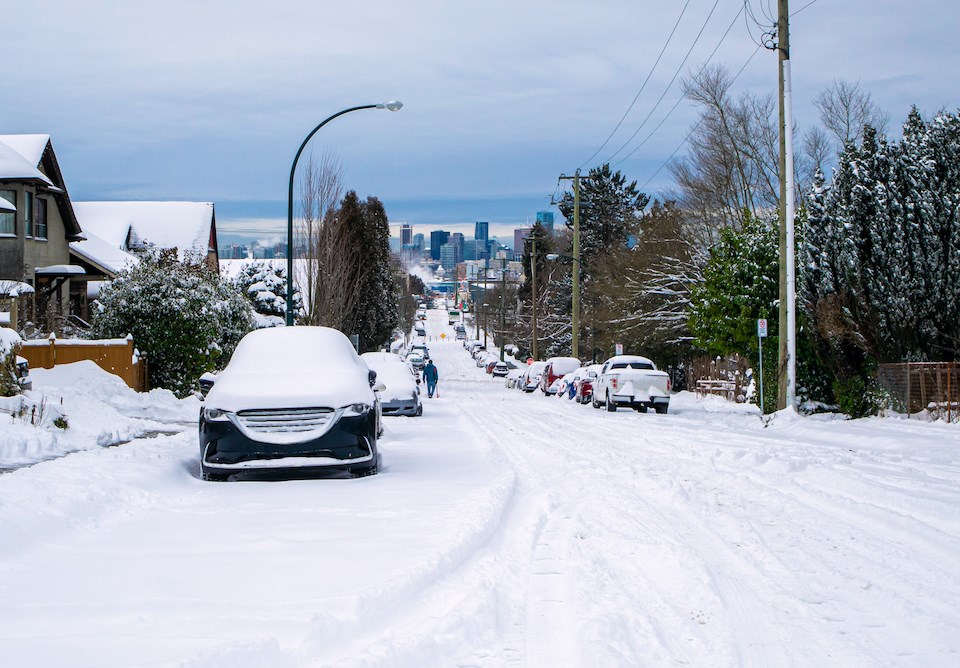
(584, 384)
(557, 368)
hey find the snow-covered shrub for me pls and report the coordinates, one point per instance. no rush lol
(9, 346)
(264, 284)
(182, 316)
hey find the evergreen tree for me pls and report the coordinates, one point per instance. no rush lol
(740, 284)
(264, 284)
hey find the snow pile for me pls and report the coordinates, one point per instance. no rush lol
(99, 408)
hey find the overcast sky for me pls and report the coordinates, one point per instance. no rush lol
(210, 100)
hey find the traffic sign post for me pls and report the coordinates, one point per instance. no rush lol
(761, 335)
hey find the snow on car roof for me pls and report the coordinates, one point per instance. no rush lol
(629, 358)
(296, 348)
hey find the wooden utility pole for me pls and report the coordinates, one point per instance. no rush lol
(786, 370)
(575, 317)
(533, 293)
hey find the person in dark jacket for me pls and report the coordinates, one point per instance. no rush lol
(431, 376)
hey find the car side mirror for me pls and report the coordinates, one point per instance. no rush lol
(372, 377)
(379, 387)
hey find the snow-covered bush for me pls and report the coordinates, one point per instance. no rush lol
(182, 316)
(9, 346)
(264, 284)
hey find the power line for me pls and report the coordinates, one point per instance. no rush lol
(677, 103)
(669, 85)
(696, 127)
(804, 7)
(642, 86)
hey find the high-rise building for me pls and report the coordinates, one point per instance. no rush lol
(518, 237)
(450, 256)
(437, 239)
(545, 218)
(406, 236)
(418, 240)
(481, 231)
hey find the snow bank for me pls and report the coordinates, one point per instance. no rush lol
(99, 408)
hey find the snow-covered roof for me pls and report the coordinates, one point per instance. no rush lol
(102, 253)
(6, 206)
(20, 155)
(182, 225)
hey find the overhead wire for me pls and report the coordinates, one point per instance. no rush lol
(681, 98)
(695, 127)
(642, 86)
(802, 8)
(669, 85)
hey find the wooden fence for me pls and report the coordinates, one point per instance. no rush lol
(723, 376)
(118, 356)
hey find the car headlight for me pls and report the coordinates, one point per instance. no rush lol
(215, 415)
(354, 410)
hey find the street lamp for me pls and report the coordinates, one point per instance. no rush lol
(392, 105)
(485, 307)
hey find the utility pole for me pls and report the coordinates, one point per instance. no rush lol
(575, 318)
(787, 369)
(486, 269)
(533, 292)
(503, 306)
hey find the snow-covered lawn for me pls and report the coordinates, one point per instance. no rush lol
(505, 529)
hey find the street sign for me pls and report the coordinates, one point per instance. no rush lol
(762, 327)
(619, 349)
(443, 336)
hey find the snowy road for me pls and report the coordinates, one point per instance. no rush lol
(505, 530)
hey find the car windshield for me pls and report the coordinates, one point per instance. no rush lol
(631, 365)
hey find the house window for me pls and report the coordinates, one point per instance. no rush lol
(41, 222)
(28, 214)
(8, 219)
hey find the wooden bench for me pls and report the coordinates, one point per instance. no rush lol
(723, 388)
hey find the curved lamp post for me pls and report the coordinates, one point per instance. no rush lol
(392, 105)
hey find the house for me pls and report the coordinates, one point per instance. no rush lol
(190, 228)
(37, 224)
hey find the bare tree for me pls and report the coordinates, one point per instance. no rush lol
(320, 192)
(731, 169)
(845, 109)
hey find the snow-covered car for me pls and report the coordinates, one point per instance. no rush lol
(291, 398)
(23, 374)
(485, 358)
(584, 383)
(513, 376)
(531, 379)
(502, 369)
(631, 381)
(402, 394)
(416, 361)
(554, 369)
(565, 387)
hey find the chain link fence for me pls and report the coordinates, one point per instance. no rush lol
(928, 390)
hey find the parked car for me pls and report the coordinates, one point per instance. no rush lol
(23, 374)
(401, 395)
(416, 361)
(565, 386)
(554, 369)
(485, 358)
(531, 379)
(502, 369)
(585, 383)
(422, 349)
(631, 381)
(513, 376)
(419, 330)
(291, 398)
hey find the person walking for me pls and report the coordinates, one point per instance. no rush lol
(431, 376)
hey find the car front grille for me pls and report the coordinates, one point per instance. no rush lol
(287, 425)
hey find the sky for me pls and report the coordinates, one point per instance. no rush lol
(209, 101)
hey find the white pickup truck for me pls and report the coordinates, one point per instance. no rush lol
(632, 381)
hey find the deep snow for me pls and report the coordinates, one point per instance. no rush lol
(505, 529)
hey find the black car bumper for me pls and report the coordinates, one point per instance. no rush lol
(350, 443)
(400, 407)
